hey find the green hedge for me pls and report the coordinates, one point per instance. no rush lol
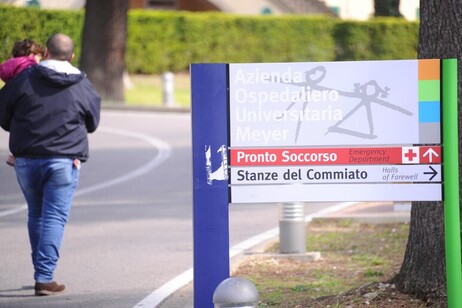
(20, 23)
(158, 41)
(378, 39)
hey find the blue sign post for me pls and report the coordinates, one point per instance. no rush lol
(210, 142)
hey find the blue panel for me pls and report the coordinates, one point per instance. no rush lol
(429, 112)
(209, 89)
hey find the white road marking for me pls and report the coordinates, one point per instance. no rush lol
(159, 295)
(163, 154)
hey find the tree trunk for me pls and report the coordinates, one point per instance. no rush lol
(103, 46)
(423, 271)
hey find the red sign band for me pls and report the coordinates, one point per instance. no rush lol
(336, 156)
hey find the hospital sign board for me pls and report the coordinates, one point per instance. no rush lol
(334, 103)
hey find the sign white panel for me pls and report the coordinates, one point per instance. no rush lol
(324, 103)
(335, 193)
(335, 174)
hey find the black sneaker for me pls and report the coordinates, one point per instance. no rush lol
(50, 288)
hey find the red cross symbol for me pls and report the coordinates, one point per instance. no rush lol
(410, 155)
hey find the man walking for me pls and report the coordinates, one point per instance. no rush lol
(49, 109)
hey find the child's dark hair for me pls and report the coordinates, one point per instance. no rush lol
(26, 47)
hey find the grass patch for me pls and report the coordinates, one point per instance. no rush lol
(353, 255)
(146, 90)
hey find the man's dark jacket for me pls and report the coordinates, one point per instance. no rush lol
(49, 114)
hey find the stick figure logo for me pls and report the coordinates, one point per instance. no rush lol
(221, 173)
(367, 94)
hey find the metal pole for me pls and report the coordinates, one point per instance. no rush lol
(292, 228)
(451, 183)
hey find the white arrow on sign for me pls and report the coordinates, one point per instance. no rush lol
(430, 153)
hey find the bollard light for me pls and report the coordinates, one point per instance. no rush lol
(168, 89)
(236, 292)
(292, 228)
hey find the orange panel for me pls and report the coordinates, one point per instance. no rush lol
(429, 69)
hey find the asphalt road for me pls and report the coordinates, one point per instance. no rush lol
(130, 230)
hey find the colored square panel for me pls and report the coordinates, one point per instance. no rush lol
(430, 132)
(429, 69)
(429, 112)
(429, 90)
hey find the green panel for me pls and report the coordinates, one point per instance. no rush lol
(429, 90)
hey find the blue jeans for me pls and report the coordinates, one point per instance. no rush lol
(48, 184)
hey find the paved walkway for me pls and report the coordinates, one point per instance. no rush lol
(367, 212)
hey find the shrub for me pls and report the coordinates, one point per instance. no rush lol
(158, 41)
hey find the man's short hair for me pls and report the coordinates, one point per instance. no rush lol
(60, 47)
